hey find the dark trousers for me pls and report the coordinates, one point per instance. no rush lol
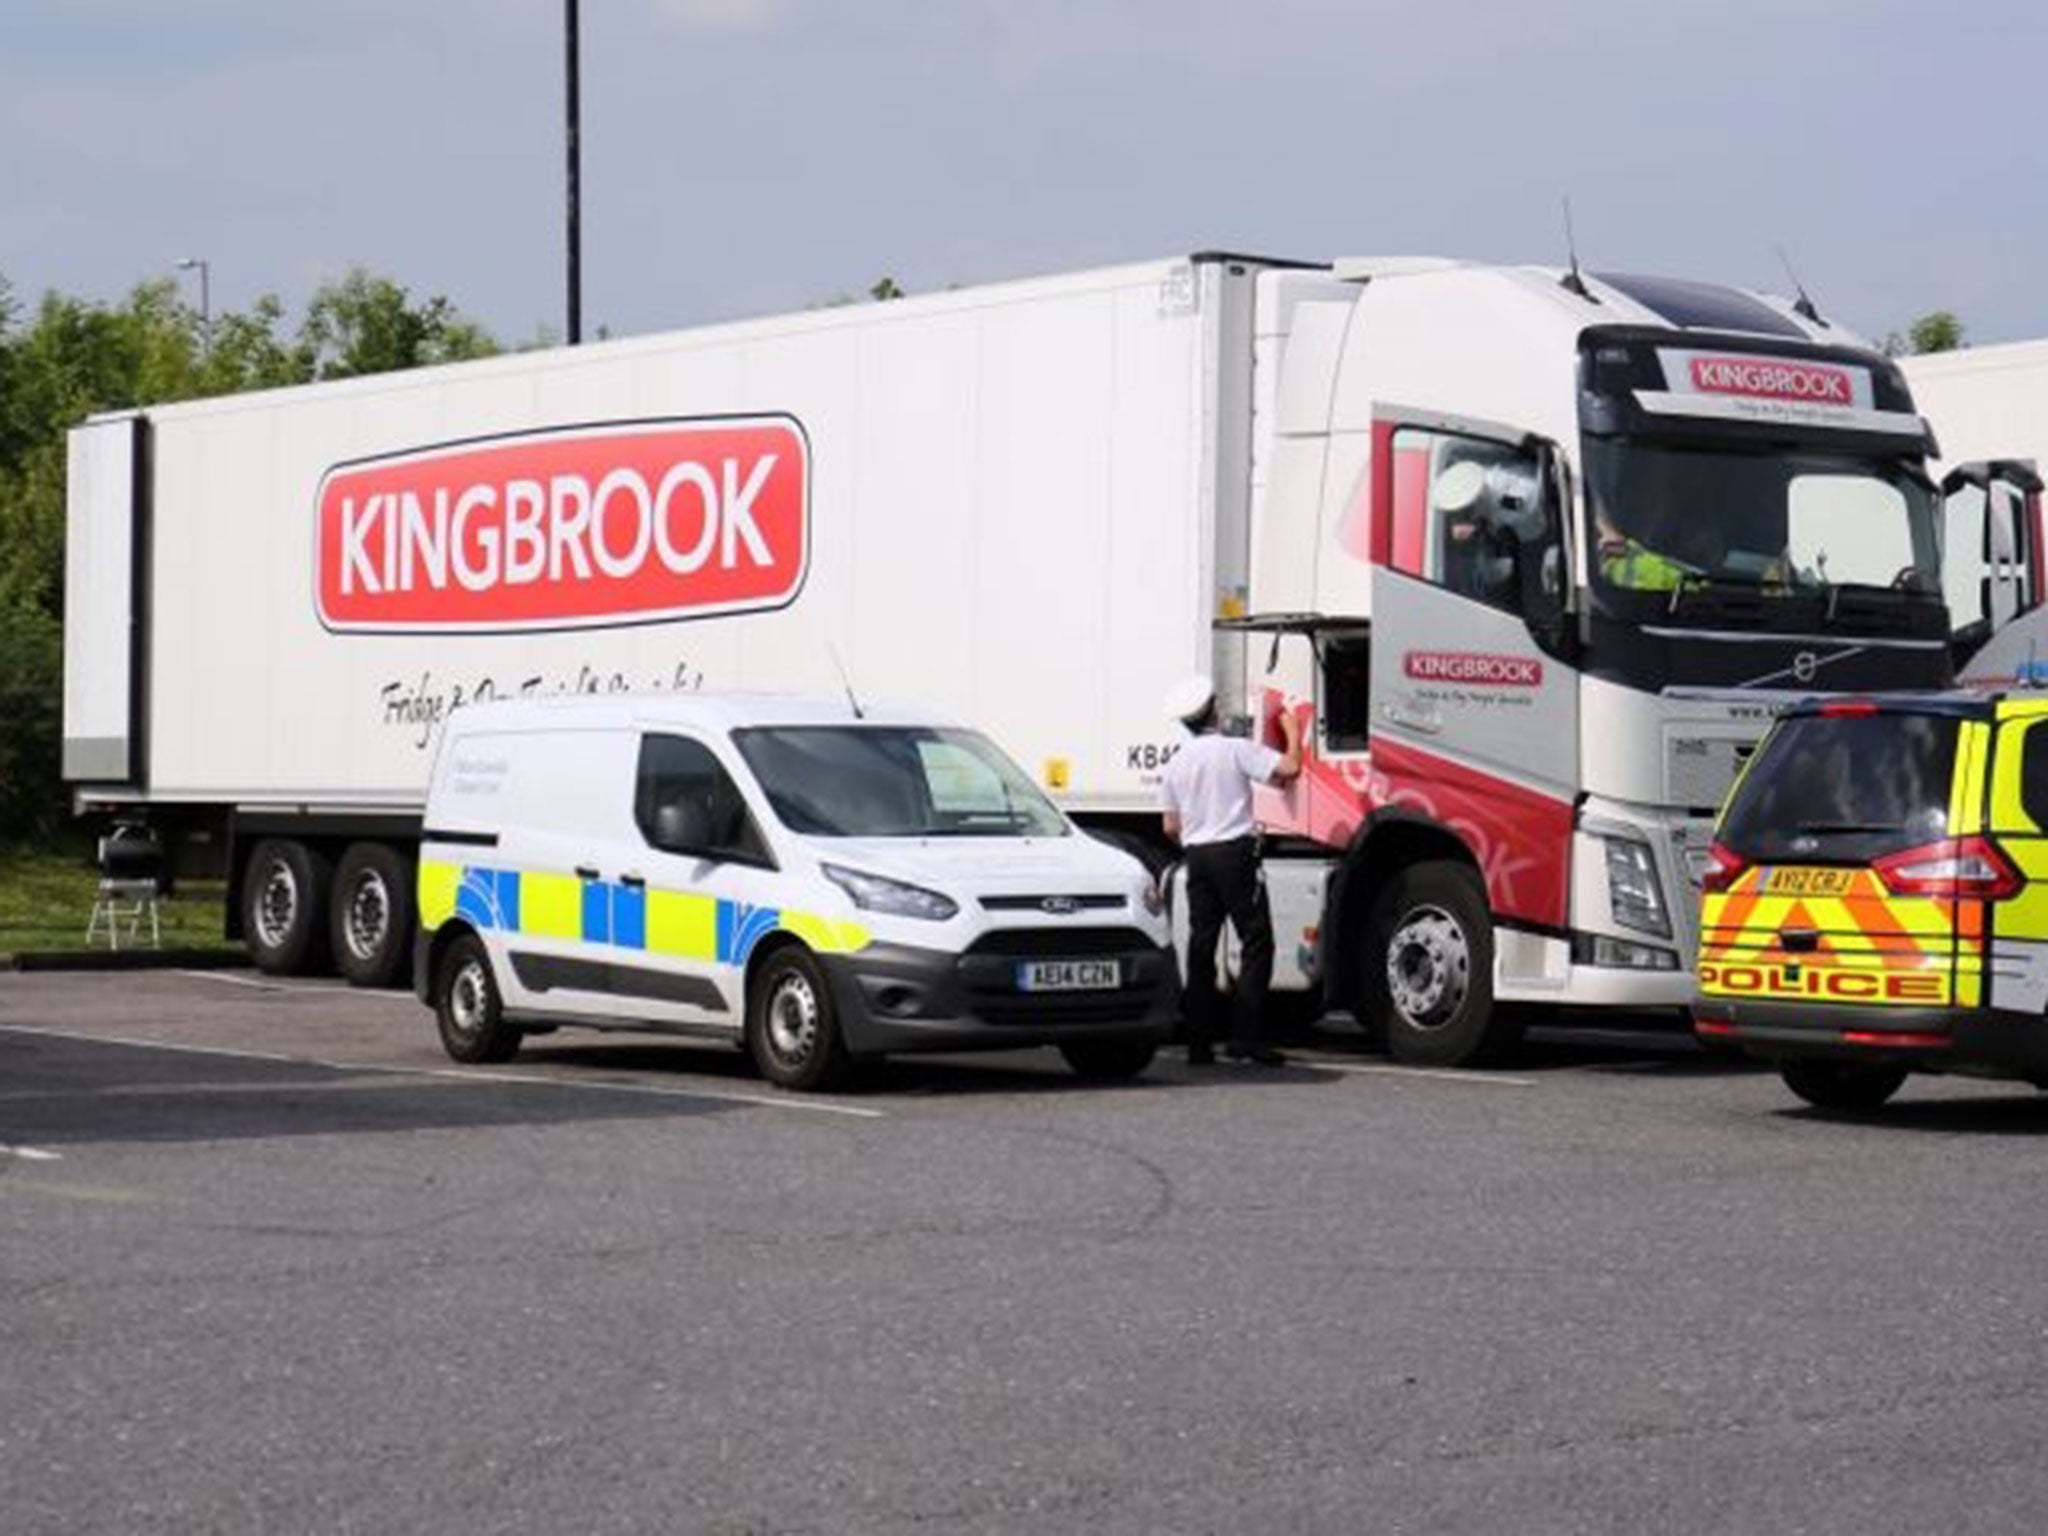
(1223, 881)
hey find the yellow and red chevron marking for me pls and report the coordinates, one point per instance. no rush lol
(1868, 945)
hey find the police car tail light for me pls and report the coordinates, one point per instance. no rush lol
(1723, 867)
(1960, 868)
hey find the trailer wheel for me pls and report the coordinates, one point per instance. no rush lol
(468, 1008)
(372, 914)
(793, 1024)
(1428, 968)
(1108, 1061)
(1846, 1087)
(284, 907)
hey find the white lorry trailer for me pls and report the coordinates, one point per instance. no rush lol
(1538, 552)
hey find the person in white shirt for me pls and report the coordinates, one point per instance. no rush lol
(1206, 799)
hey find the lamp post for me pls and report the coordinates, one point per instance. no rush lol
(575, 209)
(205, 301)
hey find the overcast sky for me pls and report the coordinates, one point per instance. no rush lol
(746, 156)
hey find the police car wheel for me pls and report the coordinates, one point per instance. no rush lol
(468, 1010)
(1848, 1087)
(1428, 968)
(372, 915)
(1108, 1061)
(793, 1025)
(284, 907)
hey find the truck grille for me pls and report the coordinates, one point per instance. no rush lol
(1698, 770)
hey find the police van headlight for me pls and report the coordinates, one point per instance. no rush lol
(1632, 889)
(878, 893)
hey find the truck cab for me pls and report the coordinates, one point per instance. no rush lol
(1561, 546)
(1878, 899)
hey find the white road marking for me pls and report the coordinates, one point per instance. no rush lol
(29, 1154)
(459, 1074)
(1444, 1074)
(259, 984)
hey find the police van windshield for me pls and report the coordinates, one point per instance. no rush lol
(1843, 789)
(894, 781)
(1668, 518)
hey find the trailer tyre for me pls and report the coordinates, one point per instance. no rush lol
(793, 1029)
(372, 914)
(285, 889)
(1428, 968)
(1846, 1087)
(468, 1009)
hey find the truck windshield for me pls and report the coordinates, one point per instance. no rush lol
(1843, 789)
(1673, 519)
(894, 781)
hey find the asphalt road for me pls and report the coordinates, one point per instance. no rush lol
(272, 1264)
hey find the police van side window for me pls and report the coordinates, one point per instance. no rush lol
(682, 787)
(2034, 774)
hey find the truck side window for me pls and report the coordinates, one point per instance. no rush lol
(1346, 706)
(676, 771)
(1470, 515)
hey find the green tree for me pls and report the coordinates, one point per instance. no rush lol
(1936, 331)
(365, 324)
(74, 358)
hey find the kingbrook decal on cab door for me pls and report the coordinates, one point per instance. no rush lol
(572, 528)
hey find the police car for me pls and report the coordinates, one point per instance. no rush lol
(1878, 898)
(816, 882)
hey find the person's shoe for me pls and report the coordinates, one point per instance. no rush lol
(1201, 1056)
(1257, 1055)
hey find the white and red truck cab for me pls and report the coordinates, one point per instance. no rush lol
(1562, 544)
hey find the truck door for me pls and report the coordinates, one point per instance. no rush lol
(1474, 722)
(1991, 565)
(708, 884)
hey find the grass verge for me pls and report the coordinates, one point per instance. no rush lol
(47, 895)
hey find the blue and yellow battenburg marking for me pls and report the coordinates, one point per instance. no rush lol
(686, 924)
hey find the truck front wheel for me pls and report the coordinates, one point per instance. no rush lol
(284, 907)
(1428, 968)
(372, 915)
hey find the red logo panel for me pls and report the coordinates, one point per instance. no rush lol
(568, 529)
(1765, 378)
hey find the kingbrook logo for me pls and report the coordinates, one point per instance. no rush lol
(567, 529)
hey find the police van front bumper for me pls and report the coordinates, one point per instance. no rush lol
(897, 998)
(1993, 1040)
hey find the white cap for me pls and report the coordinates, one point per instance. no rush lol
(1190, 698)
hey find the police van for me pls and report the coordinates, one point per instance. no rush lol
(1877, 901)
(815, 881)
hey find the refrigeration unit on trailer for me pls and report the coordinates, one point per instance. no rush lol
(1989, 406)
(1541, 554)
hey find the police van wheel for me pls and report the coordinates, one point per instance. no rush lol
(793, 1025)
(285, 889)
(1108, 1061)
(467, 1007)
(371, 915)
(1848, 1087)
(1428, 958)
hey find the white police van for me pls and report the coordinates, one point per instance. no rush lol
(818, 883)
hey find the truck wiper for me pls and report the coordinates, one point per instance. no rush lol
(1727, 593)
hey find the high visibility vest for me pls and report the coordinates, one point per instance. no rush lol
(1643, 570)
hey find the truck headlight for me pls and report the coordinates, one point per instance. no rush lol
(1632, 888)
(878, 893)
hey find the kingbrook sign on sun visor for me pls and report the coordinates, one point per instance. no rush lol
(567, 529)
(1743, 386)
